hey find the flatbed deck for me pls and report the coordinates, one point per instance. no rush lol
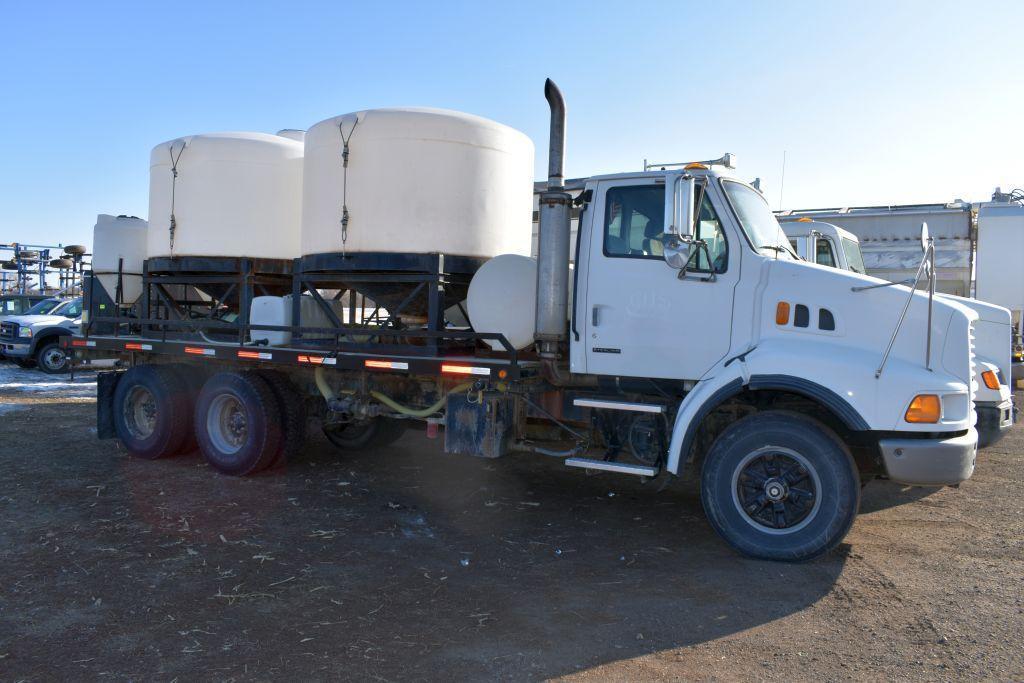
(455, 365)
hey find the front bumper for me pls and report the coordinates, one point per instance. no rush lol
(15, 350)
(930, 462)
(994, 421)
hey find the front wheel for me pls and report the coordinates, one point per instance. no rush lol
(52, 359)
(780, 486)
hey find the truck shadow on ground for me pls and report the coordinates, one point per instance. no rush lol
(410, 561)
(397, 564)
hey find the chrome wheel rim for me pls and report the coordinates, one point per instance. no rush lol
(55, 359)
(140, 413)
(776, 490)
(227, 424)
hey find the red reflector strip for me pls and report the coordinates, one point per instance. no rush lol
(82, 342)
(255, 355)
(134, 346)
(198, 351)
(465, 370)
(386, 365)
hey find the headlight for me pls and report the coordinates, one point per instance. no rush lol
(25, 332)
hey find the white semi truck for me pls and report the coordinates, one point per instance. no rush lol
(695, 341)
(829, 245)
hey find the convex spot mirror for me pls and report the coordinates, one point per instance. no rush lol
(924, 237)
(678, 237)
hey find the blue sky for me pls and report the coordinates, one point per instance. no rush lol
(873, 102)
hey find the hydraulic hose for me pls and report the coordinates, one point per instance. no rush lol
(417, 412)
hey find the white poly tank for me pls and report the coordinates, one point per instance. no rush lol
(235, 194)
(417, 181)
(119, 242)
(503, 299)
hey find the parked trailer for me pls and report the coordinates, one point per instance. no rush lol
(999, 275)
(696, 341)
(889, 239)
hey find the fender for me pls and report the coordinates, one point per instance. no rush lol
(712, 392)
(45, 333)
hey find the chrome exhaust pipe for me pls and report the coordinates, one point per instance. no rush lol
(551, 322)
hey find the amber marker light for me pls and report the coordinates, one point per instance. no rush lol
(925, 408)
(782, 313)
(990, 379)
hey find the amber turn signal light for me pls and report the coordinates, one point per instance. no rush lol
(990, 379)
(924, 408)
(782, 313)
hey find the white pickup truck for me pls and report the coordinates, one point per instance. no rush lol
(830, 245)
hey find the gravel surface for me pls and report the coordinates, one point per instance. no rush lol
(408, 564)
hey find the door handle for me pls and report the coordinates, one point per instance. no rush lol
(594, 316)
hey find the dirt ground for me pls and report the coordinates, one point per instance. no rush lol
(409, 564)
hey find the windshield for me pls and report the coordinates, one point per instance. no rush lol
(41, 307)
(68, 309)
(854, 259)
(758, 221)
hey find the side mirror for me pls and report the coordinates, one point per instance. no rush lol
(924, 237)
(678, 237)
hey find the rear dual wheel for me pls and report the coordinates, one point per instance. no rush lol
(237, 418)
(153, 411)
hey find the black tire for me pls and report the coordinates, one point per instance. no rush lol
(293, 416)
(192, 378)
(237, 422)
(375, 433)
(52, 359)
(152, 412)
(75, 249)
(764, 465)
(63, 263)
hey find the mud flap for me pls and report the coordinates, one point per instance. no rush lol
(106, 383)
(482, 429)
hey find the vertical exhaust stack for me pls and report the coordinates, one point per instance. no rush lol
(553, 239)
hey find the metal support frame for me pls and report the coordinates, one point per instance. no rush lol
(431, 283)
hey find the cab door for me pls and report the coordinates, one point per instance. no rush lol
(640, 319)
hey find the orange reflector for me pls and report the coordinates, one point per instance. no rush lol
(924, 408)
(199, 351)
(464, 370)
(386, 364)
(695, 166)
(805, 219)
(80, 342)
(502, 374)
(132, 346)
(782, 313)
(991, 381)
(255, 355)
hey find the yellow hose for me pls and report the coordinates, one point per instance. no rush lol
(329, 395)
(417, 412)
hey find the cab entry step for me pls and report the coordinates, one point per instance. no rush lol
(612, 404)
(605, 465)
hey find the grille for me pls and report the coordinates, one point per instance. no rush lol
(970, 360)
(8, 330)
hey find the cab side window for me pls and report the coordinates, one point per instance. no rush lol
(634, 217)
(634, 222)
(824, 254)
(709, 229)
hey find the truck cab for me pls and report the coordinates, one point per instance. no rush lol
(830, 245)
(685, 279)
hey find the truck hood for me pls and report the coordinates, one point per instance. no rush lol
(993, 335)
(36, 320)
